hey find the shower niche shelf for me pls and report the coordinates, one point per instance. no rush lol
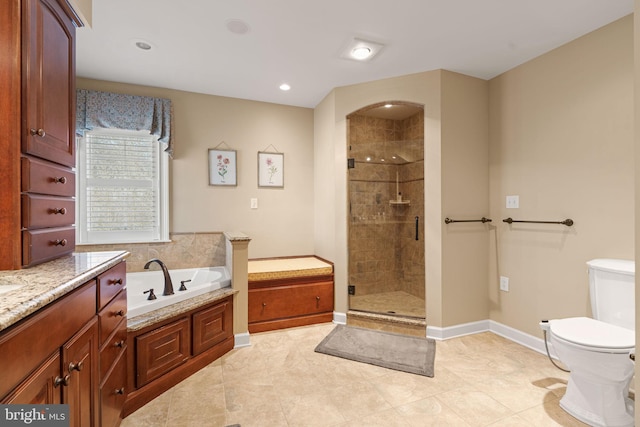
(399, 202)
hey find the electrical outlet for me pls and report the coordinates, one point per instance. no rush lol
(254, 203)
(504, 284)
(513, 202)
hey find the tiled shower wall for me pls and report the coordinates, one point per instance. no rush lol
(384, 254)
(186, 250)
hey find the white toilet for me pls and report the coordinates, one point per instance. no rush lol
(596, 351)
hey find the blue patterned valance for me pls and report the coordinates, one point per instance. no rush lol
(96, 109)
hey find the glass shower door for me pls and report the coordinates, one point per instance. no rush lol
(386, 205)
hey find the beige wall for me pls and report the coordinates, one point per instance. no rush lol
(465, 195)
(438, 91)
(283, 223)
(561, 129)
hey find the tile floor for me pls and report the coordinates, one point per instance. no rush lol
(480, 380)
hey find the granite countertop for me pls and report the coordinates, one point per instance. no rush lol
(23, 292)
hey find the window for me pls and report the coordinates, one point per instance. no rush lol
(122, 188)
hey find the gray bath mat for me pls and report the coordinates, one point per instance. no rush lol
(394, 351)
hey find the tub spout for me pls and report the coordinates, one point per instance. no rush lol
(168, 286)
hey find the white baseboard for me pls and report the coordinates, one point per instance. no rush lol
(339, 318)
(534, 343)
(457, 330)
(242, 340)
(512, 334)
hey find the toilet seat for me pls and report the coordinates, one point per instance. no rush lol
(593, 335)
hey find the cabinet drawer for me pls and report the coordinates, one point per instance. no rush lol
(47, 178)
(110, 283)
(111, 315)
(113, 346)
(113, 393)
(47, 211)
(42, 245)
(161, 350)
(212, 326)
(290, 301)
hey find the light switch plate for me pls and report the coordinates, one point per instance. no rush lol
(254, 203)
(504, 283)
(513, 202)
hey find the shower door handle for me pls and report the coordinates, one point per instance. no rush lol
(417, 226)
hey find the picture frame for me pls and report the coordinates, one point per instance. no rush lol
(270, 169)
(223, 167)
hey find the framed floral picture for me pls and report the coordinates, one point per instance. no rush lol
(270, 169)
(222, 167)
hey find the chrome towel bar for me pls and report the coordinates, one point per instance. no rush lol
(450, 221)
(568, 222)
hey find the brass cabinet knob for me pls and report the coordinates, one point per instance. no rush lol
(119, 343)
(119, 313)
(62, 381)
(60, 211)
(39, 132)
(117, 281)
(60, 242)
(120, 390)
(76, 366)
(61, 179)
(264, 304)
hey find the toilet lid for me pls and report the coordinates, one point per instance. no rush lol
(593, 333)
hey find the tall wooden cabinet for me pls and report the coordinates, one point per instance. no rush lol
(37, 127)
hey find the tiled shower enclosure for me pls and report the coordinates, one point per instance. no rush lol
(386, 209)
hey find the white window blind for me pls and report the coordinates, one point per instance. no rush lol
(120, 188)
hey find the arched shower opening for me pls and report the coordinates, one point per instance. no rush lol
(386, 208)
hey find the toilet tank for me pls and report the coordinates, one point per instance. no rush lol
(612, 290)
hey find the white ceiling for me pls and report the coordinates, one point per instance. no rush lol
(300, 41)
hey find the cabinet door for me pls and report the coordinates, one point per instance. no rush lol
(49, 96)
(161, 350)
(41, 387)
(211, 326)
(80, 363)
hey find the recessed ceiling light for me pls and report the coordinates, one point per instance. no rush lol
(388, 105)
(285, 87)
(361, 50)
(237, 26)
(142, 44)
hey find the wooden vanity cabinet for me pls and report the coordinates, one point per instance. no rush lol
(37, 82)
(67, 353)
(52, 357)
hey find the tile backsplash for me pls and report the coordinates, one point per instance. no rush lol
(185, 250)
